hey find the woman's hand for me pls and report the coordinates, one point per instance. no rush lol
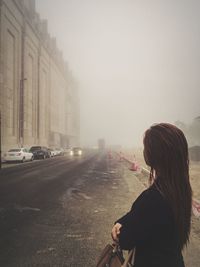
(116, 231)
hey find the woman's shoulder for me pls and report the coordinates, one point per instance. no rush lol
(150, 192)
(150, 197)
(150, 207)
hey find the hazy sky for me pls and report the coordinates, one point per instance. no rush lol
(137, 62)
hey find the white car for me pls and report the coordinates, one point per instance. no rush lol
(52, 152)
(58, 152)
(18, 154)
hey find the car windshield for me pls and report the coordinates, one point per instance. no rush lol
(15, 150)
(76, 148)
(35, 148)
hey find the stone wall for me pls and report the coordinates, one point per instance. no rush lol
(38, 96)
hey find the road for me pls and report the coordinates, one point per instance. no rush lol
(60, 211)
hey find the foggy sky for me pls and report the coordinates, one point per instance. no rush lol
(137, 62)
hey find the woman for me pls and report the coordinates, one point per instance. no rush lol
(158, 224)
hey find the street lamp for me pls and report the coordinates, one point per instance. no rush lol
(21, 111)
(0, 140)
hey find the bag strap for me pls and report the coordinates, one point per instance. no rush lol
(131, 255)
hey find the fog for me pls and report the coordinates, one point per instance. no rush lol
(136, 62)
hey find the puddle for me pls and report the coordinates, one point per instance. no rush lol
(21, 209)
(114, 187)
(75, 192)
(112, 171)
(80, 181)
(100, 210)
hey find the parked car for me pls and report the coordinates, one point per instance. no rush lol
(40, 152)
(52, 152)
(76, 151)
(59, 151)
(18, 154)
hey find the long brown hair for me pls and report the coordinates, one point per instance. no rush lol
(166, 152)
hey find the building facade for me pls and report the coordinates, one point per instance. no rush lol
(39, 100)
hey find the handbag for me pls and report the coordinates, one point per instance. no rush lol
(112, 256)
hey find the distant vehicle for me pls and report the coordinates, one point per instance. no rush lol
(67, 150)
(40, 152)
(76, 151)
(101, 144)
(18, 154)
(62, 151)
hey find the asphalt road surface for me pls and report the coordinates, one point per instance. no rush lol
(60, 211)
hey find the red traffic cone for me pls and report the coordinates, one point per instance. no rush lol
(133, 167)
(196, 208)
(109, 155)
(120, 156)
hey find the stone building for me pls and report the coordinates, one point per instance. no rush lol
(39, 101)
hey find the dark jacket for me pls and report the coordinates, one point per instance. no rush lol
(150, 227)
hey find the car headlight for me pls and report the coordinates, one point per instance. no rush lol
(80, 152)
(71, 153)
